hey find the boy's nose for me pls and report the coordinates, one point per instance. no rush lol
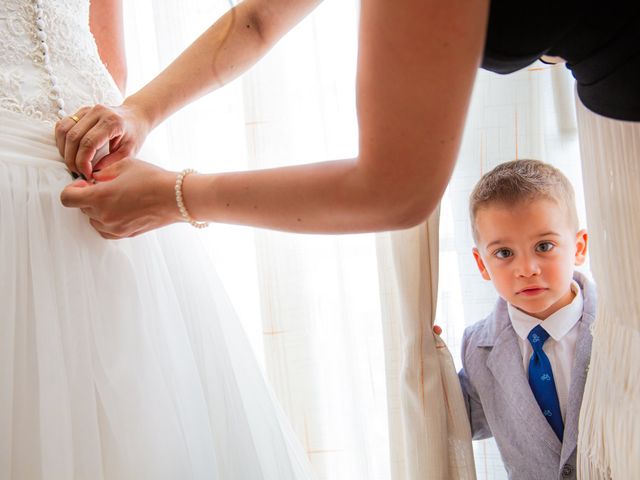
(527, 267)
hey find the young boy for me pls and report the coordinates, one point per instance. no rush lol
(525, 365)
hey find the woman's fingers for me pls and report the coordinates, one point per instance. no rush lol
(101, 135)
(112, 171)
(62, 127)
(74, 137)
(128, 198)
(65, 124)
(106, 126)
(80, 141)
(112, 158)
(95, 200)
(76, 195)
(102, 229)
(99, 227)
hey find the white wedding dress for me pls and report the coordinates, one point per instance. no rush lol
(118, 359)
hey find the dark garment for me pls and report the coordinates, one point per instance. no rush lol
(599, 40)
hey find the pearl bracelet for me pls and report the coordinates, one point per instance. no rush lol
(180, 201)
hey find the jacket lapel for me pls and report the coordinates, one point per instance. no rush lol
(579, 370)
(505, 363)
(576, 389)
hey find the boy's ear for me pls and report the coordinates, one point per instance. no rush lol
(483, 270)
(582, 239)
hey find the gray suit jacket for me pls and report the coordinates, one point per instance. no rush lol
(500, 402)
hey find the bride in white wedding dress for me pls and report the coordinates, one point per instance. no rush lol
(118, 360)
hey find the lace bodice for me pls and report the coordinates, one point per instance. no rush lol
(25, 86)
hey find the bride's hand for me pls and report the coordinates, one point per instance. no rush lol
(129, 197)
(119, 131)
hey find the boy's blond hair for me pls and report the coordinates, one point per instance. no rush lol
(520, 181)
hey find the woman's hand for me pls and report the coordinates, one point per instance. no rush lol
(129, 197)
(121, 129)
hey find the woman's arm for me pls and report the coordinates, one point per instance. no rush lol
(416, 67)
(105, 22)
(227, 49)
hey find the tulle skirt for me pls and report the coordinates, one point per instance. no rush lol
(119, 359)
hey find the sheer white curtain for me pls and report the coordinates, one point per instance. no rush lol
(319, 310)
(610, 417)
(309, 303)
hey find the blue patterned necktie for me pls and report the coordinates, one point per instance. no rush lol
(541, 381)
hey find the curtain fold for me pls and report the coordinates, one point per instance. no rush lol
(609, 431)
(429, 432)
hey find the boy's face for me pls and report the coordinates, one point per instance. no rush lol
(529, 251)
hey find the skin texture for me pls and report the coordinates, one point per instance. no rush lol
(105, 22)
(409, 135)
(529, 252)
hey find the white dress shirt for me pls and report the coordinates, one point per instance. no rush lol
(560, 347)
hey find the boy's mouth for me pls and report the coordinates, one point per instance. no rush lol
(533, 290)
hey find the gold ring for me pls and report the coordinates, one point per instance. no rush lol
(74, 118)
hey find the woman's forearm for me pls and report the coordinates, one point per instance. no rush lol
(412, 94)
(227, 49)
(330, 197)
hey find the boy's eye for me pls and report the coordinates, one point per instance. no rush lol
(545, 247)
(503, 253)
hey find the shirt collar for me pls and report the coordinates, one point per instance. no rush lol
(556, 325)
